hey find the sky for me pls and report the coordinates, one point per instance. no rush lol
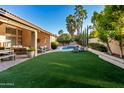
(50, 17)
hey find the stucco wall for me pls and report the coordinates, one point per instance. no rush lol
(2, 29)
(96, 40)
(114, 45)
(3, 41)
(26, 38)
(52, 39)
(43, 39)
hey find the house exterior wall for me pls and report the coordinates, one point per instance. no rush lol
(3, 37)
(26, 38)
(3, 33)
(2, 29)
(44, 39)
(52, 39)
(30, 32)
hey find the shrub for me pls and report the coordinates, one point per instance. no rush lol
(31, 49)
(54, 45)
(93, 34)
(79, 39)
(2, 48)
(98, 47)
(64, 38)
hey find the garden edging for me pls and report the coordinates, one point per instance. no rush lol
(111, 59)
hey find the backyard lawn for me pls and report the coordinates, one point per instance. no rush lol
(63, 69)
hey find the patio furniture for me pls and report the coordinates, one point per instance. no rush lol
(76, 49)
(4, 42)
(4, 54)
(81, 49)
(20, 51)
(45, 48)
(2, 48)
(41, 49)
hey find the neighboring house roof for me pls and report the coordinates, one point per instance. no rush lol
(9, 15)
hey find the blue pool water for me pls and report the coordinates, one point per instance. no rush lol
(66, 48)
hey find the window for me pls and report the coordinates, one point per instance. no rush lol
(19, 32)
(13, 40)
(19, 40)
(11, 31)
(14, 37)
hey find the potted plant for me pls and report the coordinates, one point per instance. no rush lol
(31, 52)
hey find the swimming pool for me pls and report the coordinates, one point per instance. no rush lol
(67, 48)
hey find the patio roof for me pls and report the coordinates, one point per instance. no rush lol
(11, 16)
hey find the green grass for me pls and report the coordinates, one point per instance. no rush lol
(64, 69)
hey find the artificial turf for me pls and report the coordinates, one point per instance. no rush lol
(63, 70)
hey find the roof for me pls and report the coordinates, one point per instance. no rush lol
(20, 20)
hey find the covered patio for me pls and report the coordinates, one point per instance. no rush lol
(21, 34)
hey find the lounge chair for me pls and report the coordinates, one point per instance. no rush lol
(81, 49)
(76, 49)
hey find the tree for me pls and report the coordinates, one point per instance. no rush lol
(102, 23)
(60, 32)
(70, 24)
(117, 13)
(94, 34)
(110, 24)
(82, 38)
(87, 34)
(80, 15)
(64, 38)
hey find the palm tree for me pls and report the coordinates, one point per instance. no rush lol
(60, 32)
(70, 24)
(80, 15)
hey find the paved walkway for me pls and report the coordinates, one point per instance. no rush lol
(19, 59)
(111, 59)
(7, 64)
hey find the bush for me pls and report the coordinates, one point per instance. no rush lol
(64, 38)
(81, 39)
(31, 49)
(2, 48)
(54, 45)
(98, 47)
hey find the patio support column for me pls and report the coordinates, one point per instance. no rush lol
(50, 42)
(34, 41)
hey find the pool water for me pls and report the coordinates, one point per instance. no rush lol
(66, 48)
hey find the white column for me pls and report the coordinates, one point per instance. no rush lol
(34, 41)
(49, 42)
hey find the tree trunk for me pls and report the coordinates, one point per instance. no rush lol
(87, 36)
(109, 49)
(78, 31)
(120, 44)
(121, 49)
(81, 29)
